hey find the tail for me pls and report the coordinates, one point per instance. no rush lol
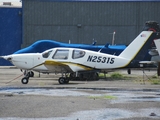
(138, 48)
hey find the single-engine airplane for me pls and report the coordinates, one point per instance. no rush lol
(42, 45)
(74, 60)
(157, 43)
(157, 59)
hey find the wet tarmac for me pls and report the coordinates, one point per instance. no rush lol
(101, 114)
(44, 99)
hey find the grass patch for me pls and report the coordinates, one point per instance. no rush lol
(117, 76)
(109, 97)
(113, 76)
(155, 76)
(155, 81)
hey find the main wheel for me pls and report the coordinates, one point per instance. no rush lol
(25, 80)
(62, 80)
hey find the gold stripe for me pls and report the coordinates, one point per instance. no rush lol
(52, 62)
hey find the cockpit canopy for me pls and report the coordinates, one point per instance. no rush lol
(64, 54)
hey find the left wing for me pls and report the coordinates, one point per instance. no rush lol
(55, 66)
(58, 66)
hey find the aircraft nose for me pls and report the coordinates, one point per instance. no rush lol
(9, 58)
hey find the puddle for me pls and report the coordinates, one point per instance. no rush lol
(47, 92)
(121, 97)
(134, 96)
(146, 99)
(102, 114)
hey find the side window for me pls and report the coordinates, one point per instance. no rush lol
(61, 54)
(46, 54)
(78, 54)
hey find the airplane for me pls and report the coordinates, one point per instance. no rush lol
(73, 60)
(157, 44)
(157, 59)
(42, 45)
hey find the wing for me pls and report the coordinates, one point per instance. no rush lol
(67, 67)
(55, 66)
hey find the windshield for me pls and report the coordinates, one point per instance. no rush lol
(46, 54)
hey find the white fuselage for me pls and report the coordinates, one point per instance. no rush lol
(93, 60)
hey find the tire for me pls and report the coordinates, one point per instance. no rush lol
(25, 80)
(62, 80)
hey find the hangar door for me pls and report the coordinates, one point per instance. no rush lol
(10, 32)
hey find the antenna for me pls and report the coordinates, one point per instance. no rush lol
(94, 42)
(113, 39)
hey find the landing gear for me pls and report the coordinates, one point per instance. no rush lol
(78, 76)
(85, 76)
(31, 74)
(63, 80)
(27, 74)
(25, 80)
(129, 71)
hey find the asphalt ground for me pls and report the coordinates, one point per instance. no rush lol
(43, 97)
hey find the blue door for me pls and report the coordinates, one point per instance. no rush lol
(10, 32)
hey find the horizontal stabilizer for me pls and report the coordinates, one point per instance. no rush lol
(147, 62)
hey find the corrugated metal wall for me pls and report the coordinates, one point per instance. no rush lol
(81, 22)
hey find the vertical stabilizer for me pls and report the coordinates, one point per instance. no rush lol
(136, 45)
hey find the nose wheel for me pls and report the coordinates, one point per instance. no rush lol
(25, 80)
(27, 74)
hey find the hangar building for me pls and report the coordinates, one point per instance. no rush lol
(81, 21)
